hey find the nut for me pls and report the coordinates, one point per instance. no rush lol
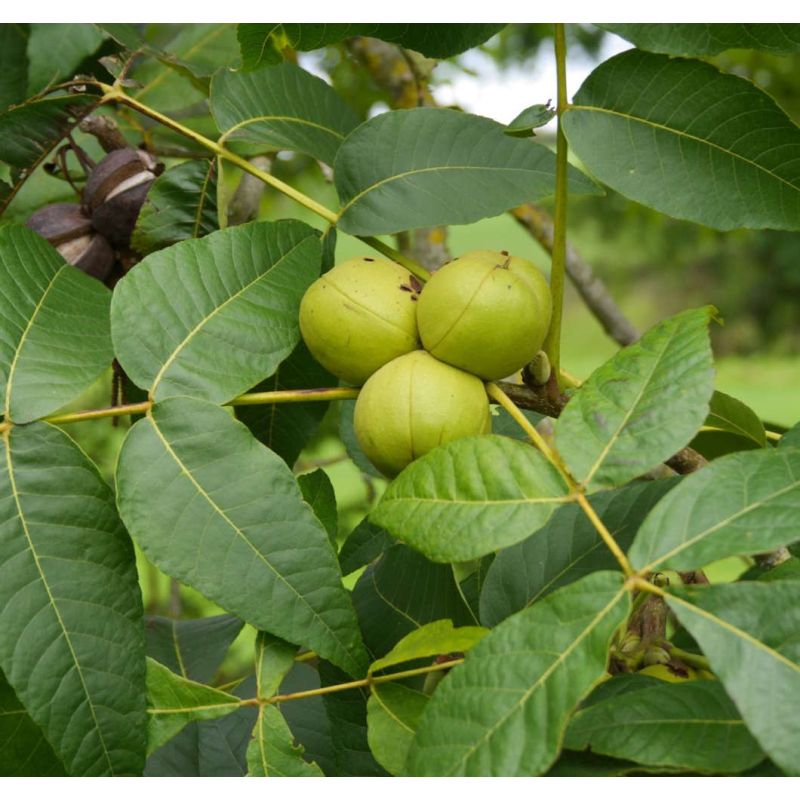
(486, 313)
(69, 230)
(359, 316)
(116, 190)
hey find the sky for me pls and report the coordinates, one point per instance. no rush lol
(502, 95)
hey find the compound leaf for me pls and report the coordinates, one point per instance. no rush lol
(470, 497)
(211, 317)
(13, 63)
(54, 327)
(504, 710)
(687, 140)
(641, 406)
(468, 169)
(71, 637)
(216, 509)
(740, 504)
(748, 631)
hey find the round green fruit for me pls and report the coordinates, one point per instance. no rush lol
(485, 312)
(414, 404)
(359, 316)
(665, 672)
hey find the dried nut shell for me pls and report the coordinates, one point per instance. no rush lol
(60, 223)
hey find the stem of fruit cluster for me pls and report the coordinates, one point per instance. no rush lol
(552, 344)
(497, 394)
(114, 94)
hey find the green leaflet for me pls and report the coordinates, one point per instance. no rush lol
(54, 327)
(211, 317)
(748, 631)
(468, 170)
(641, 406)
(687, 140)
(692, 726)
(503, 711)
(708, 39)
(281, 107)
(215, 508)
(71, 635)
(470, 497)
(740, 504)
(174, 701)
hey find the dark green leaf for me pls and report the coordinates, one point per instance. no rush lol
(565, 549)
(433, 40)
(57, 50)
(433, 639)
(181, 204)
(791, 438)
(174, 701)
(504, 424)
(219, 511)
(286, 427)
(281, 107)
(470, 497)
(13, 63)
(708, 39)
(393, 713)
(192, 648)
(467, 170)
(347, 716)
(24, 752)
(741, 504)
(363, 546)
(691, 726)
(54, 327)
(788, 570)
(30, 131)
(318, 492)
(735, 427)
(748, 631)
(503, 711)
(211, 317)
(641, 406)
(681, 137)
(587, 765)
(526, 122)
(71, 637)
(401, 592)
(308, 719)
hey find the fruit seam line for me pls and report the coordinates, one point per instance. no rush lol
(114, 94)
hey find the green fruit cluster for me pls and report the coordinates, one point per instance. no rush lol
(422, 353)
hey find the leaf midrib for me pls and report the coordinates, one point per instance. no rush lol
(557, 662)
(674, 131)
(202, 492)
(204, 320)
